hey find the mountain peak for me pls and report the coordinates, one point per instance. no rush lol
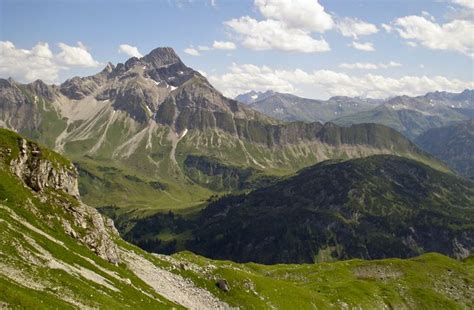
(162, 56)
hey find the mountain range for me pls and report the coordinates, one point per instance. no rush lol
(410, 116)
(145, 134)
(453, 144)
(289, 107)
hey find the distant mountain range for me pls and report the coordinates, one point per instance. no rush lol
(289, 107)
(408, 115)
(453, 144)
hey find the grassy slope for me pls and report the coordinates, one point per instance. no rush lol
(431, 281)
(31, 230)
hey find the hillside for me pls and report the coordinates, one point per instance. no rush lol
(453, 144)
(375, 207)
(151, 132)
(56, 252)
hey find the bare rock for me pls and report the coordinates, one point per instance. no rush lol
(223, 285)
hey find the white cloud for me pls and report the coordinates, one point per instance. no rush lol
(191, 51)
(411, 44)
(301, 14)
(391, 64)
(465, 3)
(369, 66)
(222, 45)
(288, 26)
(456, 35)
(40, 62)
(387, 28)
(129, 50)
(272, 34)
(353, 27)
(76, 56)
(366, 47)
(242, 78)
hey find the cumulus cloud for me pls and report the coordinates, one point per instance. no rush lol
(40, 62)
(366, 47)
(456, 35)
(222, 45)
(129, 50)
(273, 34)
(465, 3)
(369, 66)
(288, 26)
(191, 51)
(77, 56)
(302, 14)
(353, 27)
(387, 28)
(242, 78)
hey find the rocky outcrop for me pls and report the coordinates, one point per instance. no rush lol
(38, 172)
(40, 169)
(99, 231)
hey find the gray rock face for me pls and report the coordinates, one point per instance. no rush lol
(39, 172)
(43, 90)
(99, 232)
(162, 56)
(17, 109)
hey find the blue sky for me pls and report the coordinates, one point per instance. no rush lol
(258, 58)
